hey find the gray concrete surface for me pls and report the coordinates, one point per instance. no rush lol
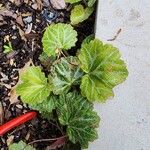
(125, 119)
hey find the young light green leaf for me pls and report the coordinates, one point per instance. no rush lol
(91, 2)
(88, 39)
(58, 37)
(8, 48)
(34, 87)
(20, 146)
(104, 69)
(79, 14)
(75, 112)
(65, 74)
(72, 1)
(46, 107)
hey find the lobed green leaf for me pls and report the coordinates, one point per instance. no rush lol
(20, 146)
(75, 112)
(65, 74)
(79, 14)
(46, 107)
(104, 69)
(58, 37)
(34, 88)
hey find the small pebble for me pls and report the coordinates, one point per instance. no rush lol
(19, 106)
(27, 19)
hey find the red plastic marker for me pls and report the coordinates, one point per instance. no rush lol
(16, 122)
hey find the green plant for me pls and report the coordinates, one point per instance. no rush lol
(20, 146)
(58, 37)
(96, 70)
(66, 90)
(8, 48)
(79, 14)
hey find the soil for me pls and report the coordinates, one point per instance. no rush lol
(23, 25)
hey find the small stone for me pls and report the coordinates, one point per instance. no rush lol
(19, 106)
(27, 19)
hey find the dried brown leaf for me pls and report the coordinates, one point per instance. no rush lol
(22, 34)
(58, 4)
(8, 13)
(39, 4)
(19, 20)
(10, 140)
(16, 2)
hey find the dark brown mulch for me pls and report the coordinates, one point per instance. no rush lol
(26, 44)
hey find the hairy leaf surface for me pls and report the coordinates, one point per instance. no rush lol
(75, 112)
(65, 74)
(20, 146)
(46, 107)
(34, 87)
(58, 37)
(79, 14)
(104, 69)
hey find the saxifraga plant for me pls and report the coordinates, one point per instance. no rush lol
(74, 82)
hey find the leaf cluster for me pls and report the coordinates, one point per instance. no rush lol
(72, 83)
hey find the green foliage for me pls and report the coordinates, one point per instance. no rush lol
(34, 87)
(88, 39)
(77, 114)
(94, 73)
(104, 69)
(72, 1)
(46, 61)
(65, 74)
(46, 107)
(58, 37)
(91, 2)
(79, 14)
(20, 146)
(8, 48)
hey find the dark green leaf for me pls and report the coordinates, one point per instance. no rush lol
(65, 74)
(77, 114)
(46, 107)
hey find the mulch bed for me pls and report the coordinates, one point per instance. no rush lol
(23, 24)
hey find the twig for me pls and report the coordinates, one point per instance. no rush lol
(1, 113)
(56, 125)
(48, 140)
(115, 37)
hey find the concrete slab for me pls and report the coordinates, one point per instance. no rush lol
(125, 120)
